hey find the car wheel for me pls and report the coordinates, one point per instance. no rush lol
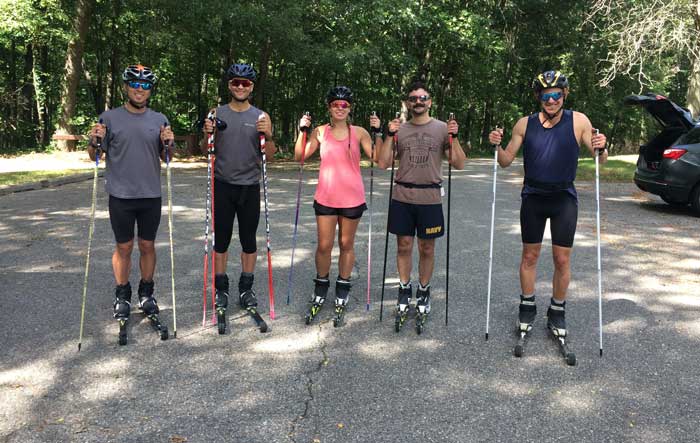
(695, 199)
(673, 202)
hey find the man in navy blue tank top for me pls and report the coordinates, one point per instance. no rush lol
(550, 139)
(237, 181)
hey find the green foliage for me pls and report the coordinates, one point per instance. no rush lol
(477, 57)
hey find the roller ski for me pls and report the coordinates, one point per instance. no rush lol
(403, 305)
(248, 300)
(321, 285)
(122, 310)
(527, 312)
(221, 301)
(556, 324)
(422, 307)
(149, 306)
(342, 294)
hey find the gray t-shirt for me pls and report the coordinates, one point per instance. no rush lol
(238, 156)
(420, 152)
(132, 147)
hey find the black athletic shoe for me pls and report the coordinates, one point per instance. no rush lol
(527, 312)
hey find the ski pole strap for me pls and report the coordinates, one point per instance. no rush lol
(548, 186)
(419, 186)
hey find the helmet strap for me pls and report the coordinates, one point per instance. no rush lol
(551, 117)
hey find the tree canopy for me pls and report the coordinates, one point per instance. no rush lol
(478, 57)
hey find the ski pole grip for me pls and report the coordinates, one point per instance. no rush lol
(373, 129)
(390, 133)
(452, 117)
(598, 150)
(98, 143)
(493, 145)
(306, 129)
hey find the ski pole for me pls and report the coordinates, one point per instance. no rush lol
(207, 221)
(304, 131)
(493, 217)
(91, 230)
(170, 231)
(600, 272)
(267, 225)
(449, 197)
(388, 217)
(213, 237)
(373, 131)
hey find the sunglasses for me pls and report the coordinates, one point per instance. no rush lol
(339, 104)
(143, 85)
(415, 98)
(240, 82)
(553, 95)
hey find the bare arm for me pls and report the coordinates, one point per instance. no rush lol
(506, 156)
(588, 136)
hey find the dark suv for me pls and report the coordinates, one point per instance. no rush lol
(669, 164)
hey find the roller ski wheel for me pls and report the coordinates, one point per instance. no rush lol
(157, 326)
(258, 319)
(339, 316)
(122, 332)
(559, 335)
(221, 320)
(523, 332)
(401, 317)
(420, 322)
(556, 324)
(314, 309)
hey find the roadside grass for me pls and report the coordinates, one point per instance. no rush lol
(612, 171)
(22, 177)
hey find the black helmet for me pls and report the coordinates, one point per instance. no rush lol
(550, 79)
(242, 70)
(139, 72)
(339, 93)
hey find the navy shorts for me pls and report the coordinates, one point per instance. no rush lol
(560, 208)
(408, 219)
(145, 212)
(351, 213)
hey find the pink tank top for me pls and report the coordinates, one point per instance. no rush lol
(339, 178)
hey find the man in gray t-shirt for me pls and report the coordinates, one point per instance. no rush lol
(416, 205)
(237, 184)
(132, 137)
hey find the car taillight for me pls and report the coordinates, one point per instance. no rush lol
(674, 153)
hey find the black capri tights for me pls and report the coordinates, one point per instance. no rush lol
(231, 201)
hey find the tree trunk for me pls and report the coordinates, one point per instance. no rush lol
(259, 98)
(71, 72)
(39, 95)
(693, 96)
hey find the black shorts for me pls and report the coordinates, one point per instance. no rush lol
(123, 212)
(231, 201)
(408, 219)
(351, 213)
(562, 210)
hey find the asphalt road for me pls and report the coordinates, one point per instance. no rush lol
(362, 382)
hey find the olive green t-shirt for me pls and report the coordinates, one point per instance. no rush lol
(420, 153)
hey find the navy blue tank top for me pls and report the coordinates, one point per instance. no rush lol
(550, 156)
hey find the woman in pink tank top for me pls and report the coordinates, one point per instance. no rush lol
(340, 193)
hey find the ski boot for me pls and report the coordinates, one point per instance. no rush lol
(320, 291)
(248, 301)
(556, 324)
(149, 306)
(422, 306)
(221, 301)
(342, 294)
(122, 309)
(527, 312)
(403, 304)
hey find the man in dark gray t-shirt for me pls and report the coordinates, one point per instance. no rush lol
(237, 181)
(132, 138)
